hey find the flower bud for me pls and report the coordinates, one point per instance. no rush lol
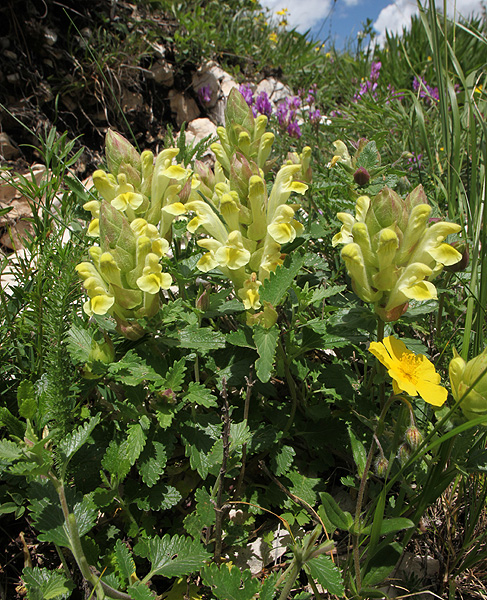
(403, 454)
(381, 466)
(203, 301)
(102, 353)
(469, 384)
(413, 437)
(118, 150)
(361, 176)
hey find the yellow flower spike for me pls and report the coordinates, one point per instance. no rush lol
(230, 210)
(176, 172)
(106, 184)
(354, 261)
(94, 228)
(344, 236)
(206, 216)
(160, 246)
(208, 262)
(109, 269)
(94, 207)
(411, 373)
(265, 148)
(387, 247)
(411, 286)
(95, 252)
(249, 294)
(273, 37)
(175, 209)
(282, 229)
(244, 142)
(415, 229)
(341, 154)
(260, 123)
(127, 200)
(433, 237)
(360, 236)
(98, 305)
(233, 254)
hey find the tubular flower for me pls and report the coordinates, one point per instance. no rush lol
(140, 198)
(469, 384)
(411, 373)
(245, 225)
(392, 252)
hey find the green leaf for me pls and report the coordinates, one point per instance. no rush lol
(229, 583)
(172, 556)
(199, 442)
(327, 574)
(303, 486)
(280, 281)
(79, 344)
(71, 443)
(203, 516)
(339, 518)
(240, 434)
(269, 587)
(44, 584)
(9, 450)
(124, 561)
(281, 459)
(266, 343)
(135, 442)
(139, 591)
(382, 563)
(48, 516)
(133, 370)
(174, 378)
(14, 426)
(199, 394)
(26, 399)
(115, 460)
(391, 526)
(201, 339)
(359, 453)
(153, 459)
(241, 338)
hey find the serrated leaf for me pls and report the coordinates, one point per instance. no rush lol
(201, 339)
(48, 516)
(303, 486)
(242, 338)
(72, 442)
(280, 281)
(133, 370)
(115, 460)
(240, 434)
(159, 497)
(44, 584)
(153, 459)
(269, 587)
(229, 583)
(203, 516)
(174, 378)
(199, 443)
(125, 562)
(174, 556)
(199, 394)
(327, 574)
(26, 399)
(281, 459)
(139, 591)
(266, 343)
(79, 344)
(14, 426)
(9, 450)
(135, 442)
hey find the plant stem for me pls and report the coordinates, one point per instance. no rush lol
(292, 389)
(223, 470)
(250, 384)
(293, 574)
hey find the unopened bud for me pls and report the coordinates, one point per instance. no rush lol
(381, 466)
(413, 437)
(361, 176)
(203, 301)
(403, 454)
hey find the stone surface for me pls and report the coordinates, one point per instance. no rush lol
(276, 90)
(7, 149)
(183, 107)
(163, 73)
(220, 84)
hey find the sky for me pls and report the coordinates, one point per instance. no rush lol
(341, 20)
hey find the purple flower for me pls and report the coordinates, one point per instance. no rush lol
(375, 70)
(315, 116)
(415, 161)
(293, 129)
(282, 113)
(247, 93)
(204, 94)
(263, 104)
(426, 91)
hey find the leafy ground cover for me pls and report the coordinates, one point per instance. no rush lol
(262, 377)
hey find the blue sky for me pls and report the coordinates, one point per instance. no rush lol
(341, 20)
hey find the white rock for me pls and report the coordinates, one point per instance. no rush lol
(276, 90)
(163, 73)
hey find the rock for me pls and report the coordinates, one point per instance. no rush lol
(163, 73)
(276, 90)
(131, 101)
(199, 129)
(220, 83)
(7, 149)
(184, 108)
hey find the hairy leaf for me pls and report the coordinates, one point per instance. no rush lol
(139, 591)
(70, 444)
(229, 583)
(203, 516)
(199, 394)
(276, 287)
(201, 339)
(266, 343)
(327, 574)
(124, 561)
(133, 370)
(79, 344)
(44, 584)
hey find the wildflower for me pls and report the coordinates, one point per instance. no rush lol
(204, 94)
(282, 12)
(273, 37)
(469, 384)
(315, 116)
(411, 373)
(294, 130)
(263, 105)
(375, 70)
(247, 93)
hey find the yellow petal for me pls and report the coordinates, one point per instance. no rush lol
(100, 305)
(379, 351)
(432, 393)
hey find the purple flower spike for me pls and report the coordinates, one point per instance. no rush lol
(263, 104)
(247, 93)
(294, 130)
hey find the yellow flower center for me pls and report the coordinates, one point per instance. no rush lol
(408, 366)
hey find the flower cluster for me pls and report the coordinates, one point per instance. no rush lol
(245, 225)
(392, 251)
(369, 86)
(469, 384)
(139, 200)
(429, 93)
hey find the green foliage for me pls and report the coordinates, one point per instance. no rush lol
(44, 584)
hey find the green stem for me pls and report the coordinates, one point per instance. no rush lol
(292, 389)
(293, 574)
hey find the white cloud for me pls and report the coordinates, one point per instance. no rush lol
(396, 16)
(303, 14)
